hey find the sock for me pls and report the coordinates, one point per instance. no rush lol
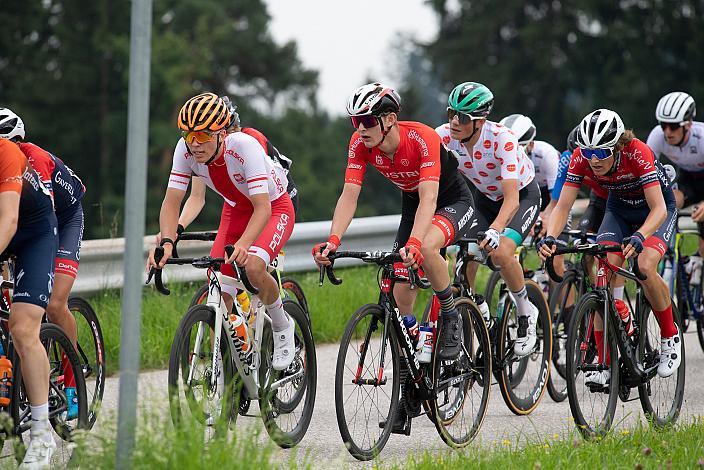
(522, 302)
(447, 302)
(618, 292)
(69, 378)
(279, 319)
(40, 419)
(599, 337)
(667, 324)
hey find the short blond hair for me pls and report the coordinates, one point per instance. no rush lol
(624, 140)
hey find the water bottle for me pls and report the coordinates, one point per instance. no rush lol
(625, 315)
(411, 325)
(542, 279)
(694, 269)
(5, 381)
(243, 300)
(242, 335)
(424, 350)
(500, 306)
(483, 307)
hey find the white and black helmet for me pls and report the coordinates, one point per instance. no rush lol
(11, 125)
(600, 129)
(522, 127)
(676, 107)
(375, 99)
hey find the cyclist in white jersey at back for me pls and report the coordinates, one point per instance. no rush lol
(507, 198)
(681, 139)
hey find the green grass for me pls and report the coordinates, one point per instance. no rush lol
(641, 448)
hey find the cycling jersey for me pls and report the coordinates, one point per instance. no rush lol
(419, 157)
(636, 171)
(689, 156)
(65, 186)
(243, 170)
(495, 157)
(545, 160)
(562, 167)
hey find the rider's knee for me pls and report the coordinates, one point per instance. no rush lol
(56, 308)
(503, 255)
(648, 261)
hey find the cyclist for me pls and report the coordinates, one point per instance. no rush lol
(435, 202)
(67, 191)
(681, 139)
(261, 219)
(640, 216)
(507, 196)
(28, 231)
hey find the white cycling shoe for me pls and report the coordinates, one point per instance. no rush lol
(284, 346)
(526, 337)
(597, 377)
(39, 453)
(670, 355)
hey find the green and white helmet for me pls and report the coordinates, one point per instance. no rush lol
(471, 98)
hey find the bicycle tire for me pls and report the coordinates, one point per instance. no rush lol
(590, 302)
(557, 383)
(648, 357)
(95, 365)
(475, 362)
(491, 289)
(342, 378)
(179, 363)
(200, 296)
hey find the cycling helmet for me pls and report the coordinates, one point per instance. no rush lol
(675, 107)
(204, 112)
(572, 139)
(11, 125)
(521, 126)
(375, 99)
(471, 98)
(234, 115)
(600, 129)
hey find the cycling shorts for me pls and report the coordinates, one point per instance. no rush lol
(621, 220)
(34, 248)
(593, 214)
(276, 233)
(521, 224)
(692, 186)
(70, 237)
(292, 191)
(544, 197)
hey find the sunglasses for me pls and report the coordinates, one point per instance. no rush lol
(199, 136)
(367, 120)
(600, 154)
(462, 117)
(672, 125)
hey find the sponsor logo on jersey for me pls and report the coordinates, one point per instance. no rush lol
(511, 167)
(465, 218)
(238, 177)
(424, 147)
(468, 164)
(404, 162)
(446, 140)
(624, 176)
(487, 144)
(491, 166)
(235, 155)
(508, 146)
(427, 164)
(399, 174)
(693, 149)
(478, 155)
(355, 166)
(483, 174)
(527, 217)
(499, 178)
(492, 188)
(275, 243)
(379, 160)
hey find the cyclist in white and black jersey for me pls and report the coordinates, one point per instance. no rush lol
(681, 139)
(507, 198)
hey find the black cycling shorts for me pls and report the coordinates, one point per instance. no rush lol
(593, 214)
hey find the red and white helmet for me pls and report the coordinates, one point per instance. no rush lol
(600, 129)
(375, 99)
(11, 125)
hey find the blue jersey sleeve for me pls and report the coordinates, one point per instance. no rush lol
(561, 174)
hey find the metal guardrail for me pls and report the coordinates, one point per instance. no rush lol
(101, 260)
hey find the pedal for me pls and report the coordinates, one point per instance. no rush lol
(401, 424)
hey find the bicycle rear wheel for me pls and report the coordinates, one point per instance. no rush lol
(461, 394)
(592, 407)
(367, 393)
(522, 381)
(661, 398)
(91, 352)
(293, 290)
(562, 305)
(283, 392)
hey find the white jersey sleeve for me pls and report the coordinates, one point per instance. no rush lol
(546, 159)
(655, 140)
(181, 170)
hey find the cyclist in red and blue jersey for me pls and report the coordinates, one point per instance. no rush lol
(28, 232)
(640, 216)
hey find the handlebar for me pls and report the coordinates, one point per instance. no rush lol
(487, 259)
(593, 249)
(380, 258)
(205, 262)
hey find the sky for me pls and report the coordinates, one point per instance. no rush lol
(348, 41)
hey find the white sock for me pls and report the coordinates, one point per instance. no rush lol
(279, 319)
(618, 293)
(40, 419)
(522, 302)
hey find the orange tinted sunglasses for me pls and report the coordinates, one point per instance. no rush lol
(200, 136)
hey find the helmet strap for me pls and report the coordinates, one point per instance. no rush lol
(617, 161)
(215, 154)
(384, 132)
(474, 131)
(684, 138)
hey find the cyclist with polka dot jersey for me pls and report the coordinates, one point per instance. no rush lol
(507, 197)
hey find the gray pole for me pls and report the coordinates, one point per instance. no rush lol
(135, 201)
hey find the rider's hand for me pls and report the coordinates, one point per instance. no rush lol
(411, 254)
(491, 240)
(632, 245)
(157, 239)
(546, 247)
(239, 255)
(322, 250)
(698, 214)
(168, 248)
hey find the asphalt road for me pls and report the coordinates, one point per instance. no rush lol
(325, 449)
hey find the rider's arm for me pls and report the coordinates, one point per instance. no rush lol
(509, 206)
(345, 209)
(658, 210)
(428, 195)
(9, 214)
(168, 216)
(195, 202)
(259, 219)
(558, 218)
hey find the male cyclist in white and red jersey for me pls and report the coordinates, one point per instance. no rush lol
(640, 216)
(507, 197)
(262, 217)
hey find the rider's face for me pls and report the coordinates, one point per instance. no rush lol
(373, 135)
(601, 167)
(203, 152)
(675, 134)
(459, 131)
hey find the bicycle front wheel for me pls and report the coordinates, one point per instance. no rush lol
(562, 303)
(293, 290)
(367, 390)
(462, 386)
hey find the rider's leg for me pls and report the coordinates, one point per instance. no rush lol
(512, 274)
(57, 310)
(656, 291)
(25, 321)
